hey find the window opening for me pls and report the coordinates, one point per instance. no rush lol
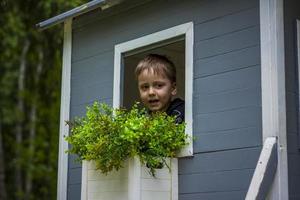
(177, 44)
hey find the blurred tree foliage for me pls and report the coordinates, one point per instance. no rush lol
(30, 78)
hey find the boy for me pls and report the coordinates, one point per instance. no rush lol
(156, 77)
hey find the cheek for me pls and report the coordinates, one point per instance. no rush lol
(140, 91)
(142, 95)
(165, 92)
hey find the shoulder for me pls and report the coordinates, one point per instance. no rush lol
(176, 108)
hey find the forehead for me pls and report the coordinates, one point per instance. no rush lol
(150, 74)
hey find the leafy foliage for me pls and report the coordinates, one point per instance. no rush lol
(110, 136)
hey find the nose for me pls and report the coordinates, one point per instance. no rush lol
(151, 91)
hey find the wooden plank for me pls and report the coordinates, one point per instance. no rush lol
(264, 174)
(74, 176)
(294, 164)
(292, 140)
(233, 119)
(159, 173)
(93, 66)
(95, 175)
(62, 171)
(227, 43)
(291, 101)
(72, 161)
(239, 79)
(231, 61)
(290, 84)
(292, 120)
(273, 88)
(219, 161)
(215, 182)
(73, 192)
(116, 195)
(157, 195)
(80, 110)
(89, 80)
(155, 185)
(84, 180)
(294, 197)
(88, 94)
(298, 69)
(231, 139)
(218, 9)
(108, 186)
(94, 15)
(99, 186)
(101, 35)
(294, 185)
(233, 99)
(228, 195)
(226, 24)
(291, 13)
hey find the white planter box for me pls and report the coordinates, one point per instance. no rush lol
(133, 182)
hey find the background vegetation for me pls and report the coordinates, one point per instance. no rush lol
(30, 77)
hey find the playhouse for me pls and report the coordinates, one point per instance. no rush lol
(237, 63)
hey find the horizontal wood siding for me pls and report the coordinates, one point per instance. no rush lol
(227, 94)
(291, 13)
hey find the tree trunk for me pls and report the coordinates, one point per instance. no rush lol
(32, 132)
(3, 194)
(19, 124)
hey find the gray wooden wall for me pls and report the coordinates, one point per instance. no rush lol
(227, 94)
(292, 12)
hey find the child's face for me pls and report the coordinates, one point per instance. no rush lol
(156, 90)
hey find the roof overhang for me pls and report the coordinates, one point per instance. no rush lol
(92, 5)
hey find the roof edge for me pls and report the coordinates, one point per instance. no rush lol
(92, 5)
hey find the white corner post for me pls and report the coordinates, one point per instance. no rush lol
(64, 112)
(273, 89)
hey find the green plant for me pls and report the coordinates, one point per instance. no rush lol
(110, 136)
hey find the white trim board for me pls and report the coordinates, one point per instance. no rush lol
(84, 180)
(273, 88)
(185, 30)
(134, 179)
(64, 112)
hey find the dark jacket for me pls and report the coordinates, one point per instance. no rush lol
(176, 108)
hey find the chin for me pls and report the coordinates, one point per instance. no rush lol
(154, 109)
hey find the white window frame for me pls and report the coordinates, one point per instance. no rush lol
(185, 30)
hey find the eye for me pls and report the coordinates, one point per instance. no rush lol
(159, 85)
(144, 87)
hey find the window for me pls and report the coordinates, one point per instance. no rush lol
(177, 44)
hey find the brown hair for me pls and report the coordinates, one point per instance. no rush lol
(159, 64)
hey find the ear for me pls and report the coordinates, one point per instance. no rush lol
(174, 89)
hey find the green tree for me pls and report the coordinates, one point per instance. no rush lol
(30, 75)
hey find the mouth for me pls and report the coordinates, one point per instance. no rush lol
(153, 101)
